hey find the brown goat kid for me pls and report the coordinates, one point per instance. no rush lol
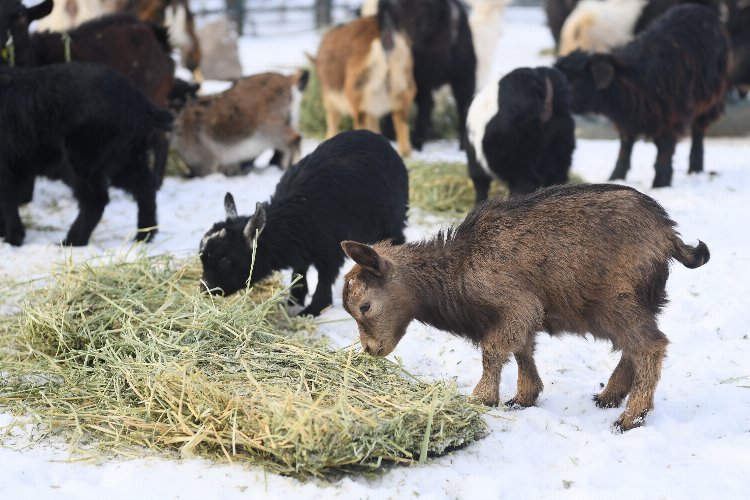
(219, 133)
(365, 69)
(572, 259)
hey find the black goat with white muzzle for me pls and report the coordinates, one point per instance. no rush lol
(352, 184)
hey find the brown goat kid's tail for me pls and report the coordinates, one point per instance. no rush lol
(691, 257)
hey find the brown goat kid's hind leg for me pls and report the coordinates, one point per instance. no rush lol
(493, 358)
(529, 384)
(333, 120)
(647, 366)
(618, 386)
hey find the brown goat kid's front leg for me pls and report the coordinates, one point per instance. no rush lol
(647, 372)
(618, 386)
(529, 383)
(401, 125)
(333, 120)
(493, 358)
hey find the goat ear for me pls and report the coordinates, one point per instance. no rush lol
(603, 72)
(229, 207)
(39, 11)
(549, 94)
(365, 256)
(256, 223)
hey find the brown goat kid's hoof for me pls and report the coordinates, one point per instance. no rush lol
(517, 403)
(607, 401)
(626, 422)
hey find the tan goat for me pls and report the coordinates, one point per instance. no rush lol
(365, 69)
(260, 112)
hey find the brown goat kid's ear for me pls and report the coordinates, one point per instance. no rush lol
(365, 256)
(39, 11)
(229, 207)
(256, 223)
(603, 73)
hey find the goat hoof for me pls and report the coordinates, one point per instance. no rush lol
(606, 402)
(626, 423)
(74, 242)
(145, 236)
(517, 404)
(15, 240)
(661, 181)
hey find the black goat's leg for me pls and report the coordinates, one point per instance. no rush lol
(323, 296)
(146, 200)
(665, 146)
(421, 131)
(463, 92)
(90, 210)
(623, 157)
(11, 225)
(299, 290)
(696, 148)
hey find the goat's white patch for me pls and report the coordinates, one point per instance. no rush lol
(486, 21)
(484, 106)
(295, 107)
(386, 75)
(245, 149)
(600, 26)
(369, 8)
(175, 18)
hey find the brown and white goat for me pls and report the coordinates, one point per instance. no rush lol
(365, 69)
(260, 112)
(577, 259)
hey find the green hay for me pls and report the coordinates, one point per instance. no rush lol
(444, 188)
(129, 358)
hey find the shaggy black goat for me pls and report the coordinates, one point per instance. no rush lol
(85, 125)
(352, 186)
(443, 51)
(521, 131)
(671, 78)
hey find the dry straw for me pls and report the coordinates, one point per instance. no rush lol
(129, 357)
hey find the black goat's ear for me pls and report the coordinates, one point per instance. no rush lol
(366, 256)
(229, 207)
(603, 72)
(256, 223)
(39, 11)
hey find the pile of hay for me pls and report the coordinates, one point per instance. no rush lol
(445, 188)
(127, 357)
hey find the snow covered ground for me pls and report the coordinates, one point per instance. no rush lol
(696, 443)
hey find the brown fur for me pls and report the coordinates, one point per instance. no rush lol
(257, 108)
(578, 259)
(353, 71)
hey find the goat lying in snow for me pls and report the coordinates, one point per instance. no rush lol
(521, 130)
(578, 259)
(260, 112)
(83, 124)
(352, 186)
(365, 70)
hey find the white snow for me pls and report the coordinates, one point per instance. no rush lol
(696, 443)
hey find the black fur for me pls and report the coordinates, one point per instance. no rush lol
(443, 53)
(521, 148)
(85, 125)
(557, 12)
(353, 186)
(671, 78)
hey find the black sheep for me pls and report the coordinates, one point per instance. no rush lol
(352, 186)
(85, 125)
(521, 131)
(670, 79)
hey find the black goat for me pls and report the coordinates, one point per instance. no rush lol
(671, 78)
(352, 186)
(85, 125)
(557, 11)
(443, 52)
(521, 131)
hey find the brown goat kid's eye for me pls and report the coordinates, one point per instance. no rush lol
(364, 307)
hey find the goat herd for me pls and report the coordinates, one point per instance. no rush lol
(562, 259)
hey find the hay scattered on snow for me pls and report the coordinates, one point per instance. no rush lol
(128, 355)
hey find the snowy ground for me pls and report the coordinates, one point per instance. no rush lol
(696, 443)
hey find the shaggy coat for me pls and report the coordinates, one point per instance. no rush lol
(352, 186)
(85, 125)
(365, 70)
(576, 259)
(260, 112)
(670, 79)
(521, 131)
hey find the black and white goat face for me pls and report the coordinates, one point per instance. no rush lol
(226, 250)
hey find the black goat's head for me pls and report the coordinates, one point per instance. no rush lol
(226, 250)
(588, 75)
(15, 19)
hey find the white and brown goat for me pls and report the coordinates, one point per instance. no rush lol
(260, 112)
(365, 69)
